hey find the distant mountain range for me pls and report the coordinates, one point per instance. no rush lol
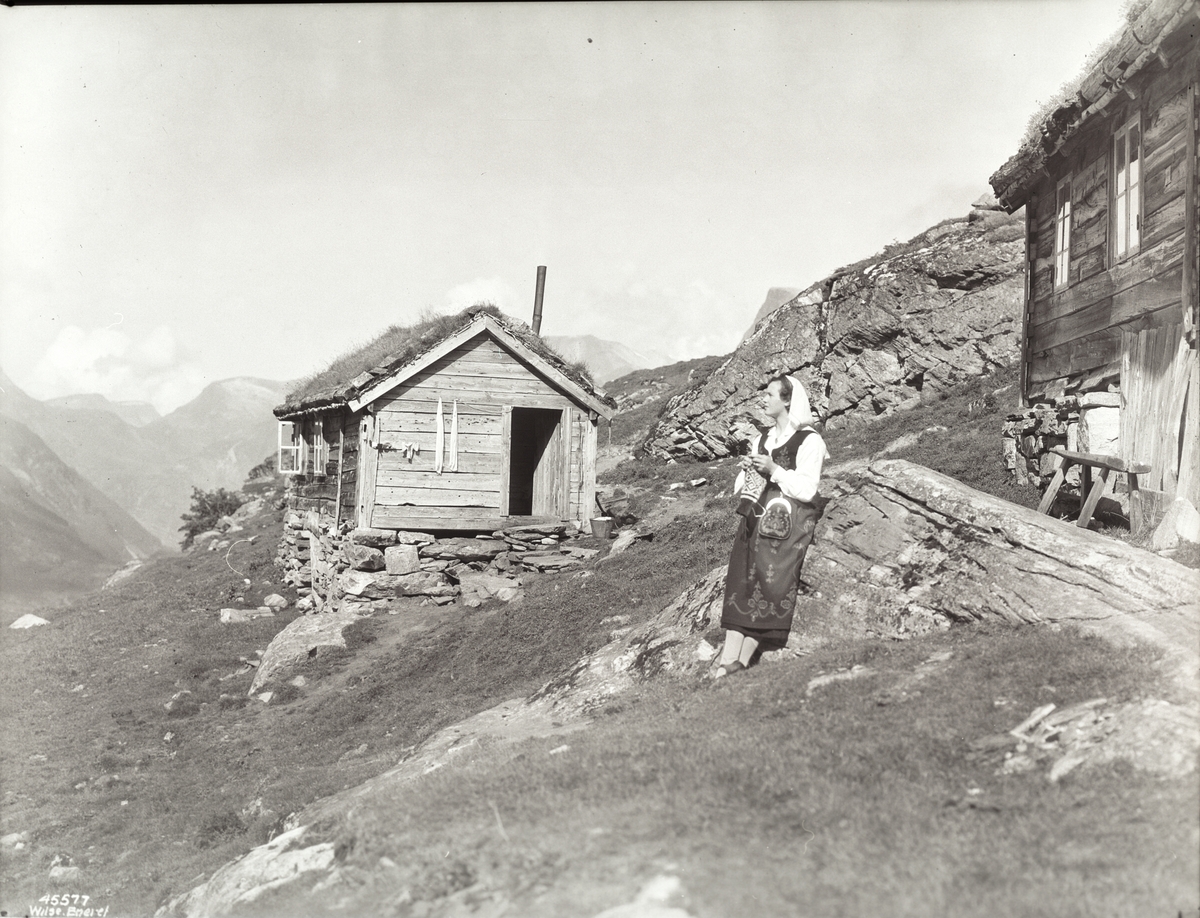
(148, 464)
(58, 533)
(776, 297)
(135, 414)
(607, 360)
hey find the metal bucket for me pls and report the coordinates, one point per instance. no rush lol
(602, 526)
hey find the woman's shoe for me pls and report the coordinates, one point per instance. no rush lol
(728, 669)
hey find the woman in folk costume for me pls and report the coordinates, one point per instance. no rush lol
(776, 489)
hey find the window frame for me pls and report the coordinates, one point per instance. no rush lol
(294, 447)
(1125, 221)
(1063, 220)
(320, 449)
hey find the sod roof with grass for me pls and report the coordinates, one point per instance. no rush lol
(399, 346)
(1107, 71)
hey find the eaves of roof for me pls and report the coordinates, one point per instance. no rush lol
(1136, 46)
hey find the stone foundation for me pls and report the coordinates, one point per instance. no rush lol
(1089, 423)
(340, 568)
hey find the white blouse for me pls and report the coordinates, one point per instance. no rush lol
(801, 482)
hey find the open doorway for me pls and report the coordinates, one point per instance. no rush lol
(536, 477)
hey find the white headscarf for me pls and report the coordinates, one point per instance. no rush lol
(799, 412)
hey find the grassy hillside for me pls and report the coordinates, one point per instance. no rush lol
(762, 796)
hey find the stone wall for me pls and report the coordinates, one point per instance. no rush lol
(1089, 423)
(339, 568)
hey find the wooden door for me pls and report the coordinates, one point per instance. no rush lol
(538, 471)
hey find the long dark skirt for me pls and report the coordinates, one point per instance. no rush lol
(763, 578)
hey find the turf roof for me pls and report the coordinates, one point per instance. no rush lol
(1108, 69)
(399, 345)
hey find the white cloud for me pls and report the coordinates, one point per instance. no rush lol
(484, 290)
(110, 362)
(696, 320)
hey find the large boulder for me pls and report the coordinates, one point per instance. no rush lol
(868, 340)
(1181, 524)
(478, 587)
(241, 616)
(304, 638)
(371, 586)
(424, 583)
(366, 584)
(28, 620)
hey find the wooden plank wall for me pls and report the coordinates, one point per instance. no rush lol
(486, 380)
(1189, 439)
(1075, 335)
(1155, 373)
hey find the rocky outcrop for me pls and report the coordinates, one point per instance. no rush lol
(283, 860)
(869, 339)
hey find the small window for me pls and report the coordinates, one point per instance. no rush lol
(320, 449)
(1062, 235)
(291, 449)
(1127, 190)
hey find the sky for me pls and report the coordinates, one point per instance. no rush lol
(192, 193)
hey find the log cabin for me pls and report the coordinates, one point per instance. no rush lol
(1108, 181)
(463, 423)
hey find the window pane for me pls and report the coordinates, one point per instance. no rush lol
(1121, 222)
(1135, 144)
(1134, 232)
(1120, 148)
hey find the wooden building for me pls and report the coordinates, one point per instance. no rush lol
(517, 438)
(1108, 182)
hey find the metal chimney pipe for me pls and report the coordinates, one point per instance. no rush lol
(537, 300)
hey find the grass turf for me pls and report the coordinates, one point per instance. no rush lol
(769, 802)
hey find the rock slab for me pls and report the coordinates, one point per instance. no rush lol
(305, 637)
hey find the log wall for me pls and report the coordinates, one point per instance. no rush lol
(1074, 334)
(317, 488)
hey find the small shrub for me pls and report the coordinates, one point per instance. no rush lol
(207, 509)
(184, 707)
(109, 762)
(218, 828)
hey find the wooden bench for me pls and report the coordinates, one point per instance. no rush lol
(1105, 465)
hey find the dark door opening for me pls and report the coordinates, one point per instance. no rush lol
(535, 474)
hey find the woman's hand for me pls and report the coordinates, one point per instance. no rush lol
(764, 465)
